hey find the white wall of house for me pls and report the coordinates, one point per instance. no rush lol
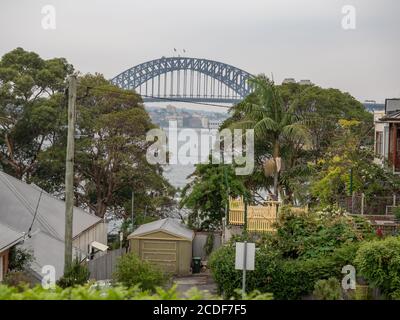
(96, 233)
(381, 137)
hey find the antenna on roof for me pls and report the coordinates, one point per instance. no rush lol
(34, 216)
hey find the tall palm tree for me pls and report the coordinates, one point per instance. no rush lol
(273, 122)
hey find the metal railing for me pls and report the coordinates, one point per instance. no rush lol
(373, 205)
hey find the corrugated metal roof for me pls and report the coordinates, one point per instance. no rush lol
(18, 203)
(8, 237)
(391, 116)
(170, 225)
(47, 251)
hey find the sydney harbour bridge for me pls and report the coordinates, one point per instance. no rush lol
(186, 79)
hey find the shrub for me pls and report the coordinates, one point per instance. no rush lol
(131, 271)
(17, 279)
(209, 245)
(229, 280)
(397, 213)
(20, 259)
(76, 275)
(317, 233)
(284, 278)
(296, 278)
(327, 289)
(113, 293)
(379, 263)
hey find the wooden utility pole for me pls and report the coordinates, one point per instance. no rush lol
(69, 172)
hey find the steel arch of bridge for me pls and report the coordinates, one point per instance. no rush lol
(233, 78)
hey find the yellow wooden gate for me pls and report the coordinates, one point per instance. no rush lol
(259, 218)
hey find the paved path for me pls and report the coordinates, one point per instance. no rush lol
(202, 281)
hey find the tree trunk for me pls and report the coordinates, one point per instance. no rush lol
(276, 173)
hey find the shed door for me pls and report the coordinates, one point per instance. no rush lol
(160, 252)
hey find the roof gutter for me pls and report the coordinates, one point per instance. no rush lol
(12, 244)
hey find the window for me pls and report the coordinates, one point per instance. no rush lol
(379, 143)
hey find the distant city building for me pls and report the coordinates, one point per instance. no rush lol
(195, 122)
(204, 122)
(178, 119)
(387, 135)
(305, 82)
(214, 124)
(372, 105)
(288, 80)
(185, 118)
(171, 108)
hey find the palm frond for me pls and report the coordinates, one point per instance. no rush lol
(265, 126)
(296, 131)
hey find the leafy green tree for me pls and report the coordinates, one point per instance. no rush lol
(349, 156)
(323, 108)
(30, 99)
(110, 154)
(207, 194)
(316, 112)
(274, 122)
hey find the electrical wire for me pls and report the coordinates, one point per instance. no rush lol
(36, 211)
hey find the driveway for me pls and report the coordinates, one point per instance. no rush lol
(202, 281)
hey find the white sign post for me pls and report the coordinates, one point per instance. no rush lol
(244, 260)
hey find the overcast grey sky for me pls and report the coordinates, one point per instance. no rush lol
(303, 39)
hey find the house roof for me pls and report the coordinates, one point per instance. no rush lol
(169, 225)
(18, 202)
(391, 117)
(8, 237)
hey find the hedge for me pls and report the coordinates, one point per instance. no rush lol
(379, 263)
(285, 279)
(93, 292)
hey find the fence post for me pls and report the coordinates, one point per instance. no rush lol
(362, 203)
(245, 217)
(352, 202)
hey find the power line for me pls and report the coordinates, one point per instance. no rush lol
(36, 211)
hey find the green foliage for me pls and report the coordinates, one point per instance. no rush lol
(276, 127)
(131, 271)
(30, 98)
(379, 263)
(229, 280)
(20, 259)
(347, 154)
(207, 195)
(328, 289)
(209, 245)
(316, 233)
(94, 292)
(397, 213)
(303, 108)
(285, 279)
(76, 275)
(306, 248)
(110, 154)
(17, 279)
